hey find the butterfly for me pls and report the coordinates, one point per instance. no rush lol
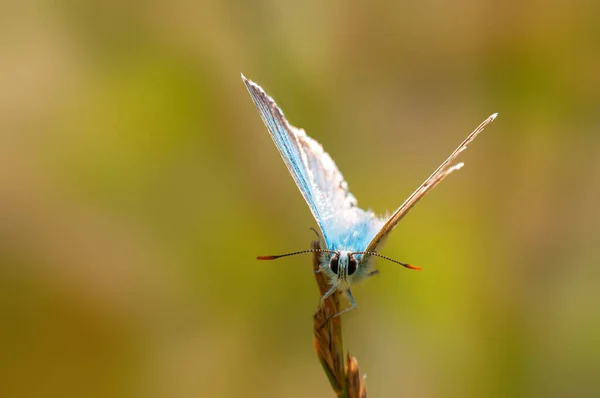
(351, 236)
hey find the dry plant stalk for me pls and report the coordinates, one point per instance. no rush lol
(344, 377)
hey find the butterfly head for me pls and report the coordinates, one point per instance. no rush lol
(343, 267)
(343, 264)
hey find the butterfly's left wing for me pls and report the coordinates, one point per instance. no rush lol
(317, 177)
(435, 178)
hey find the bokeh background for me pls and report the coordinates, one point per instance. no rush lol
(138, 183)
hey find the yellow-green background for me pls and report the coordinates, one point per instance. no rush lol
(137, 185)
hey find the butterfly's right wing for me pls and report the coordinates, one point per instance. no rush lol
(435, 178)
(316, 175)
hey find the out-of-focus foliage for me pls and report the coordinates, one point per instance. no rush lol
(137, 185)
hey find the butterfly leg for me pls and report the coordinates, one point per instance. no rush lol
(316, 233)
(353, 305)
(318, 271)
(329, 293)
(373, 273)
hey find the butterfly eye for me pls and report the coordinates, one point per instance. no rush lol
(352, 265)
(333, 264)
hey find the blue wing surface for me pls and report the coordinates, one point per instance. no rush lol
(343, 224)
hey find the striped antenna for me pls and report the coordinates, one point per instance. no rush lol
(293, 254)
(409, 266)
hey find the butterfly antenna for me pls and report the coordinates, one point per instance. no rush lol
(409, 266)
(293, 254)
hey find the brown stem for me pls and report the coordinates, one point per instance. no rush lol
(344, 377)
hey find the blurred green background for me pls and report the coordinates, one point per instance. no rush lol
(138, 183)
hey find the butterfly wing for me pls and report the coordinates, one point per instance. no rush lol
(317, 177)
(434, 179)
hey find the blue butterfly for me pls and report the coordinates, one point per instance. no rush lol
(351, 236)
